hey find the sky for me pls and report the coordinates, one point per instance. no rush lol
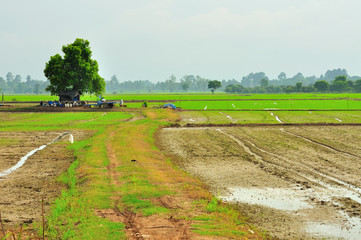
(216, 39)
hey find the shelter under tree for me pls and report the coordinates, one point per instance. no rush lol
(69, 96)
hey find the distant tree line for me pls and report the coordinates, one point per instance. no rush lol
(336, 80)
(15, 84)
(252, 83)
(339, 84)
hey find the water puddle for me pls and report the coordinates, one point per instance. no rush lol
(351, 230)
(278, 198)
(293, 200)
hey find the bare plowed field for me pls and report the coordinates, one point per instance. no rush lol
(23, 187)
(292, 181)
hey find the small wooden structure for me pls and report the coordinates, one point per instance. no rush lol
(69, 96)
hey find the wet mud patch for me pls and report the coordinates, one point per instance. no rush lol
(290, 186)
(22, 190)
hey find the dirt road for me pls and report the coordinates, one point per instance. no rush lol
(294, 182)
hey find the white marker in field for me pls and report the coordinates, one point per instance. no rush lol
(71, 138)
(233, 105)
(277, 118)
(205, 108)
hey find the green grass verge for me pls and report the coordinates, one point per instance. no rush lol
(213, 222)
(189, 96)
(72, 215)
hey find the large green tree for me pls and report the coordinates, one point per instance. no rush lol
(214, 85)
(339, 84)
(322, 86)
(75, 71)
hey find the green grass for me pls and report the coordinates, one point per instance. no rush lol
(72, 215)
(190, 96)
(320, 116)
(136, 191)
(8, 142)
(59, 121)
(271, 105)
(221, 117)
(247, 117)
(222, 101)
(212, 223)
(90, 187)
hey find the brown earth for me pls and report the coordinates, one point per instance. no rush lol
(146, 227)
(22, 190)
(320, 164)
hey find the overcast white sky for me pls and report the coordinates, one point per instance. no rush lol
(152, 39)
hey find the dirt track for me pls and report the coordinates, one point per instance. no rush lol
(293, 181)
(22, 190)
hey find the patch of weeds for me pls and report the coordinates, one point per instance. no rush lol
(72, 217)
(8, 141)
(219, 220)
(202, 218)
(146, 207)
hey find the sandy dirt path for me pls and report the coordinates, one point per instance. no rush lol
(139, 226)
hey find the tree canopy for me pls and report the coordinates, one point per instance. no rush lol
(76, 71)
(322, 85)
(213, 85)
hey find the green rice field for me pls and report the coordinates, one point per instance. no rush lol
(189, 96)
(344, 104)
(55, 121)
(266, 117)
(223, 101)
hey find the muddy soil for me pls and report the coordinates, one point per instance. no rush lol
(296, 182)
(22, 190)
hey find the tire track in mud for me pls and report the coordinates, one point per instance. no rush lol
(258, 157)
(355, 191)
(319, 143)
